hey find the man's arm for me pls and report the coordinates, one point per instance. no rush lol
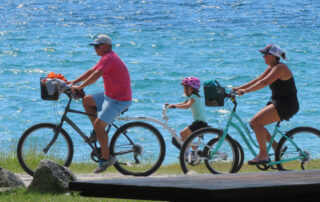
(83, 77)
(90, 80)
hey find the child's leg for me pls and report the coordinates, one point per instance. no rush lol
(185, 133)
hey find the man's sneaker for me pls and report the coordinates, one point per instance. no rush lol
(104, 164)
(93, 136)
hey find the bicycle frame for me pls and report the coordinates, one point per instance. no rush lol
(247, 138)
(65, 118)
(163, 124)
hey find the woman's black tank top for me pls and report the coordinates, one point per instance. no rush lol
(282, 89)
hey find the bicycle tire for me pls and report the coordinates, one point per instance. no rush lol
(203, 140)
(308, 140)
(35, 139)
(240, 152)
(241, 155)
(139, 149)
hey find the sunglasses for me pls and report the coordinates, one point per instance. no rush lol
(99, 45)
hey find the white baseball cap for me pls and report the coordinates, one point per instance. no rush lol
(102, 39)
(272, 49)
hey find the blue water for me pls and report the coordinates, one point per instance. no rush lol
(161, 42)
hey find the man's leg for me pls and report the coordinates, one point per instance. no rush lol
(90, 107)
(102, 136)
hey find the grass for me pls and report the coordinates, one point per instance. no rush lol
(18, 195)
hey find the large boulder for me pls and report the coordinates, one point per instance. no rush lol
(51, 177)
(9, 179)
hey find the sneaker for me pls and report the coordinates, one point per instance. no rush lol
(193, 158)
(104, 164)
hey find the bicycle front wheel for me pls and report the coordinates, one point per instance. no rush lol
(197, 155)
(34, 142)
(139, 149)
(305, 155)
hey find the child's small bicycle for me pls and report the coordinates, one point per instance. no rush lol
(297, 149)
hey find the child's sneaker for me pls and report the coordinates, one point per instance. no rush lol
(193, 158)
(104, 164)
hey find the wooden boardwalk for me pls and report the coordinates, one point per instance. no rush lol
(264, 186)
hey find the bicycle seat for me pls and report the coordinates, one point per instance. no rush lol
(124, 111)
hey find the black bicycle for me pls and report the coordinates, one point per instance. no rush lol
(138, 146)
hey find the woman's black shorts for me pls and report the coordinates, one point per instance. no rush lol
(197, 125)
(286, 107)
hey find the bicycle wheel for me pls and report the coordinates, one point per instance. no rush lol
(308, 151)
(195, 154)
(34, 141)
(139, 149)
(241, 155)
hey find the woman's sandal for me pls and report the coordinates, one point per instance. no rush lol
(256, 161)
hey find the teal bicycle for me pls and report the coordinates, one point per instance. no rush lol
(217, 152)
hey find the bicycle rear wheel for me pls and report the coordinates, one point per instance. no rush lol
(307, 151)
(139, 149)
(195, 154)
(34, 141)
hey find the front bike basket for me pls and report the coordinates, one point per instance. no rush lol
(45, 95)
(214, 94)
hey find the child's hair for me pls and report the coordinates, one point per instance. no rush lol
(194, 91)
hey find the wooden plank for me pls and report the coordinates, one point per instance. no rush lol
(289, 185)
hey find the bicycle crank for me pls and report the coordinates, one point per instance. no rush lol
(96, 154)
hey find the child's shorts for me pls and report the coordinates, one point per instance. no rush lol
(197, 125)
(107, 108)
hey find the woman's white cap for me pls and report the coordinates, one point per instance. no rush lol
(272, 49)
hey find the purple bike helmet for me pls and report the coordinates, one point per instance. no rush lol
(191, 81)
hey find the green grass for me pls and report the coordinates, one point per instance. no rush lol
(18, 195)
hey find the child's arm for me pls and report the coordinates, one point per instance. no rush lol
(185, 105)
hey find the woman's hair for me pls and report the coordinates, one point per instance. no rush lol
(283, 55)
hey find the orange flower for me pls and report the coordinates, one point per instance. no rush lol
(52, 75)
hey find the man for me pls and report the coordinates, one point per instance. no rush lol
(109, 104)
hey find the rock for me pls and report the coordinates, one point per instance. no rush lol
(9, 179)
(51, 177)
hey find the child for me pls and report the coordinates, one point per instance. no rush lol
(191, 86)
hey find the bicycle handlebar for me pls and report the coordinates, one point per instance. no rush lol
(76, 95)
(164, 111)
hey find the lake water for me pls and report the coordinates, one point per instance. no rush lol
(160, 42)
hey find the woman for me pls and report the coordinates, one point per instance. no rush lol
(283, 104)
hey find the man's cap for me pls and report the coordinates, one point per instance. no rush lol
(102, 39)
(272, 49)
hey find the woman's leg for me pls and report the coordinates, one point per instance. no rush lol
(264, 117)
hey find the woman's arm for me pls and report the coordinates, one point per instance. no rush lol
(268, 79)
(254, 81)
